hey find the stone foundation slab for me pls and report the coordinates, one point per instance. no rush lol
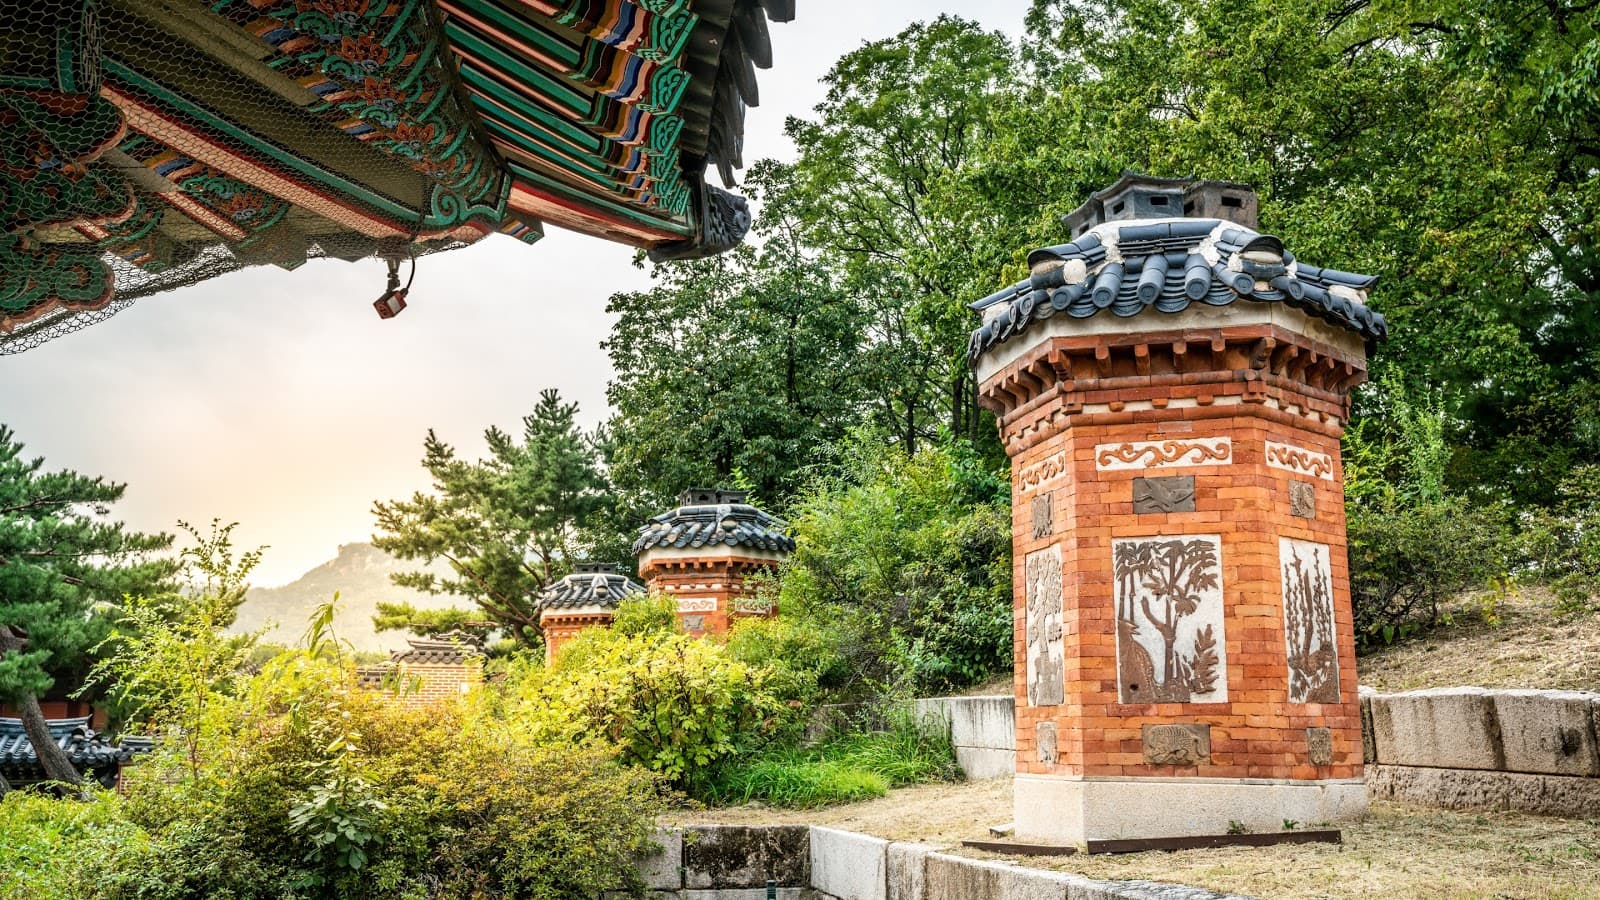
(1055, 810)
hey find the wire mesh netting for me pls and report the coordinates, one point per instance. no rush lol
(150, 144)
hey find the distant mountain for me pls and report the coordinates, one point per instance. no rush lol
(360, 573)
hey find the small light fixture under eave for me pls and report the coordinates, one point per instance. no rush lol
(394, 296)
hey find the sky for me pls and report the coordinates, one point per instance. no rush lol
(280, 401)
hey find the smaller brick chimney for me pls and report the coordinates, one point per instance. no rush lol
(701, 553)
(586, 598)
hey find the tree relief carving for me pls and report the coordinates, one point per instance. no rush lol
(1310, 641)
(1046, 661)
(1160, 454)
(1170, 645)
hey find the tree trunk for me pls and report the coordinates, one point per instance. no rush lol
(5, 786)
(57, 766)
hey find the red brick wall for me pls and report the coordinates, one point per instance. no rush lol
(1056, 406)
(559, 629)
(722, 580)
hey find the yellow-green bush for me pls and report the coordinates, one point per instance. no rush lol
(665, 701)
(306, 786)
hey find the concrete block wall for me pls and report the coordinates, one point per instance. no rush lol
(983, 730)
(726, 862)
(1472, 748)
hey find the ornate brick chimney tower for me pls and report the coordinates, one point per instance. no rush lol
(586, 598)
(1171, 387)
(701, 553)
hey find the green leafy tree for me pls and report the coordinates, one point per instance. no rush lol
(63, 563)
(507, 525)
(1450, 147)
(743, 368)
(912, 557)
(903, 119)
(168, 656)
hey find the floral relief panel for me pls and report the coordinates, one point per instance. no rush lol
(1047, 664)
(1170, 644)
(1308, 633)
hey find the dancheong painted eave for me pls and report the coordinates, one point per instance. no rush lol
(147, 145)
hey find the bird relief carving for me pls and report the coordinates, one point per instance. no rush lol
(1170, 644)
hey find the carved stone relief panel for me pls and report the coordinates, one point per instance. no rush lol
(1044, 739)
(697, 604)
(1170, 643)
(1043, 473)
(1047, 665)
(1303, 499)
(1300, 460)
(1044, 516)
(1319, 746)
(1308, 632)
(694, 623)
(1172, 494)
(1129, 455)
(1177, 745)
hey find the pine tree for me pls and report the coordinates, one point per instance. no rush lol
(507, 525)
(62, 562)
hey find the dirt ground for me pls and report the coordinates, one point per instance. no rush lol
(1533, 647)
(1400, 851)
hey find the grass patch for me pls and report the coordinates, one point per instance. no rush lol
(845, 769)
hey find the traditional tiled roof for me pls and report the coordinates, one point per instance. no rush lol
(592, 585)
(88, 750)
(445, 649)
(711, 518)
(1130, 265)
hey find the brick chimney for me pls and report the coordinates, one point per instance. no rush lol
(1171, 386)
(702, 552)
(585, 599)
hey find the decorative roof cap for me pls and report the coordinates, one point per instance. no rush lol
(601, 587)
(708, 517)
(1128, 265)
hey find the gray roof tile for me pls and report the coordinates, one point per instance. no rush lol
(1130, 266)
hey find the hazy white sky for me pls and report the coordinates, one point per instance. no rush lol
(280, 400)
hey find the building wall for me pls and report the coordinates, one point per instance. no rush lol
(420, 685)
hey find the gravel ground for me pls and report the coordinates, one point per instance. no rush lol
(1400, 851)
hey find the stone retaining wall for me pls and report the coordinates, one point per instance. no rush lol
(733, 862)
(1471, 748)
(983, 730)
(1459, 748)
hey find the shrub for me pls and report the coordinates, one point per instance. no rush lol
(848, 768)
(668, 702)
(1405, 560)
(52, 849)
(1562, 546)
(913, 555)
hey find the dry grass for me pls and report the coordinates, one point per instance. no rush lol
(1532, 647)
(1400, 851)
